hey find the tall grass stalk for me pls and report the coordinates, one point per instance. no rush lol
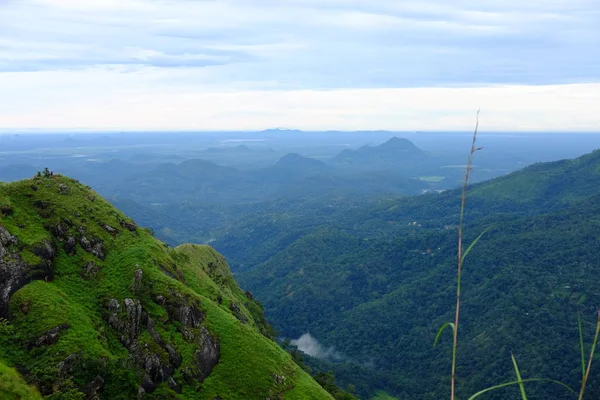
(460, 257)
(589, 366)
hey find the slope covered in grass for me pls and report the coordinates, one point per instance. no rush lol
(98, 308)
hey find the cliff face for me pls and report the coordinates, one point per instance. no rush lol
(94, 307)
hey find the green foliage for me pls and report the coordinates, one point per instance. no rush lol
(73, 297)
(13, 386)
(365, 279)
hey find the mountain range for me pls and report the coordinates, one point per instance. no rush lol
(376, 281)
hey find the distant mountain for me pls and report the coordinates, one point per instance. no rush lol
(280, 130)
(394, 152)
(296, 166)
(376, 281)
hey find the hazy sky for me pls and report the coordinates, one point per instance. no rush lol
(308, 64)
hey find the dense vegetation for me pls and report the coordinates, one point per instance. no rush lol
(376, 282)
(96, 308)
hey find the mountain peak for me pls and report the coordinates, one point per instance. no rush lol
(399, 144)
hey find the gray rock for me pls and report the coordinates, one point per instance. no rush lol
(70, 246)
(235, 309)
(207, 356)
(129, 225)
(85, 244)
(134, 316)
(93, 388)
(15, 273)
(138, 275)
(90, 270)
(50, 337)
(111, 230)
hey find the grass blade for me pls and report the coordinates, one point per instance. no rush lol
(502, 385)
(589, 366)
(519, 379)
(447, 324)
(473, 245)
(581, 345)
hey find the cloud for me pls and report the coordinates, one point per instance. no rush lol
(82, 54)
(311, 346)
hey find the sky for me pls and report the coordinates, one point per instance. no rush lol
(305, 64)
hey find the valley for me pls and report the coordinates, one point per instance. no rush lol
(346, 246)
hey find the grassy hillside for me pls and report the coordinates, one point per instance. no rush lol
(98, 308)
(376, 282)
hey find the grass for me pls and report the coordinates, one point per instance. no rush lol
(13, 387)
(249, 360)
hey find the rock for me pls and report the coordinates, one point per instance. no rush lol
(6, 239)
(235, 309)
(187, 335)
(134, 315)
(189, 316)
(93, 388)
(63, 189)
(137, 279)
(279, 379)
(128, 327)
(173, 385)
(110, 230)
(207, 356)
(15, 273)
(58, 230)
(6, 210)
(129, 225)
(50, 337)
(65, 366)
(113, 305)
(90, 271)
(93, 246)
(70, 246)
(85, 244)
(98, 251)
(45, 251)
(91, 198)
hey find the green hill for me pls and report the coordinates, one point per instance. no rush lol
(377, 281)
(96, 308)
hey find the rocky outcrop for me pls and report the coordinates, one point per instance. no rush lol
(182, 310)
(125, 320)
(207, 356)
(16, 273)
(6, 239)
(93, 246)
(158, 365)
